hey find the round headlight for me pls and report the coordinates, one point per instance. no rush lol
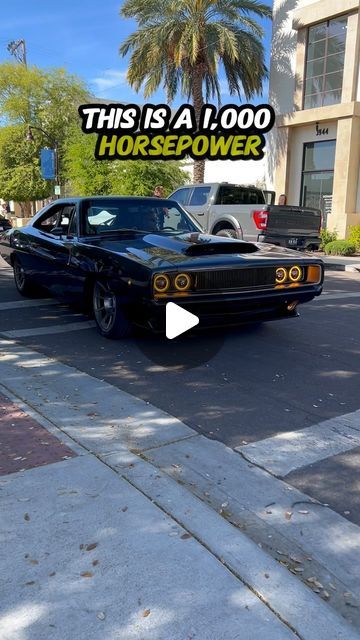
(161, 283)
(281, 275)
(295, 273)
(182, 282)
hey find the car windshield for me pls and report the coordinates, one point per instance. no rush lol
(132, 215)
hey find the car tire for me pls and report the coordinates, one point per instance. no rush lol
(111, 320)
(23, 283)
(227, 233)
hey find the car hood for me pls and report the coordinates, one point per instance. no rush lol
(191, 249)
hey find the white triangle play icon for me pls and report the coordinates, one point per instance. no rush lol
(178, 320)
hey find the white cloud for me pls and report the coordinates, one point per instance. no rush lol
(110, 79)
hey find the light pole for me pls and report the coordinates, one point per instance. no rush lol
(54, 144)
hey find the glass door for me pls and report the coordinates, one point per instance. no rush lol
(317, 174)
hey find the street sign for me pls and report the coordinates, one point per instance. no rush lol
(57, 190)
(47, 160)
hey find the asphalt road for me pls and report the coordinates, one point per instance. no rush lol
(252, 383)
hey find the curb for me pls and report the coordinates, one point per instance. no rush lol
(338, 266)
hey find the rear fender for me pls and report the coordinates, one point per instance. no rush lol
(227, 221)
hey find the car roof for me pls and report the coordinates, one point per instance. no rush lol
(217, 184)
(82, 198)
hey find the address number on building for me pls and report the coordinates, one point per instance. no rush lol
(293, 242)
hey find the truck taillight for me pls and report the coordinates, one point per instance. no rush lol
(260, 219)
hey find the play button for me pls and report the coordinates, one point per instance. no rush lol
(178, 320)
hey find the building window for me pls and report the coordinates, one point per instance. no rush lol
(325, 63)
(317, 174)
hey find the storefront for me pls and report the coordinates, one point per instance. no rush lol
(311, 167)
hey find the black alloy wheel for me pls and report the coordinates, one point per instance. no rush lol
(22, 282)
(110, 318)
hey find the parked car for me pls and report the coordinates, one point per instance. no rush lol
(5, 224)
(127, 257)
(249, 213)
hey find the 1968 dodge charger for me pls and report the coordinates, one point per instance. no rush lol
(127, 257)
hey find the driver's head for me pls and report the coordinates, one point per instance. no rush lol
(150, 220)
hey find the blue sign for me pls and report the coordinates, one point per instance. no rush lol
(47, 160)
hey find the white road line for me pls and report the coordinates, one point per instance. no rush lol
(57, 328)
(289, 451)
(21, 304)
(338, 296)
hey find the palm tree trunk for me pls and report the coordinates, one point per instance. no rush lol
(198, 101)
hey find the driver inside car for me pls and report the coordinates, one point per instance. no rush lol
(150, 220)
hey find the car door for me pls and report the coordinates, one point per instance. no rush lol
(50, 246)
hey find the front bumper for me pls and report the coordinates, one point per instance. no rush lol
(227, 309)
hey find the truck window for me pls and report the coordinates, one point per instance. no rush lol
(181, 195)
(255, 196)
(231, 194)
(199, 196)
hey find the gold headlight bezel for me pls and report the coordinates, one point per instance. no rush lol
(188, 285)
(300, 273)
(168, 283)
(285, 275)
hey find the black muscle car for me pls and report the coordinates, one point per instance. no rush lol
(128, 257)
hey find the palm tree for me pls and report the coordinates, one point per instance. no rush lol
(181, 44)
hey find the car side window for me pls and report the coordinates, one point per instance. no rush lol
(181, 195)
(56, 216)
(199, 196)
(72, 229)
(231, 194)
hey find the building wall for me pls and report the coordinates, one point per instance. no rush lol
(295, 126)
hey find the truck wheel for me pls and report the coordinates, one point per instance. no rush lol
(111, 321)
(228, 233)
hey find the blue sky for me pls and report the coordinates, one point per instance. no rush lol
(83, 37)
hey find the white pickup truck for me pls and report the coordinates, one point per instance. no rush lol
(248, 213)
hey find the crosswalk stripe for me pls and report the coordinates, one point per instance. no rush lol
(57, 328)
(21, 304)
(289, 451)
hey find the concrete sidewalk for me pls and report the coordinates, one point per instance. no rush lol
(340, 263)
(131, 536)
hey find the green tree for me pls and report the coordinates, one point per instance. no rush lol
(182, 44)
(20, 177)
(88, 176)
(47, 99)
(139, 177)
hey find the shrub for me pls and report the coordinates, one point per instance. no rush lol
(340, 248)
(326, 237)
(354, 236)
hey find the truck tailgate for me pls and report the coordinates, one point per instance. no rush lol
(293, 221)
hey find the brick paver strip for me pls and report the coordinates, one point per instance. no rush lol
(24, 444)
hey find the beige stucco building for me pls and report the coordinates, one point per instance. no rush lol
(314, 150)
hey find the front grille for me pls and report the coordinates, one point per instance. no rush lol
(235, 279)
